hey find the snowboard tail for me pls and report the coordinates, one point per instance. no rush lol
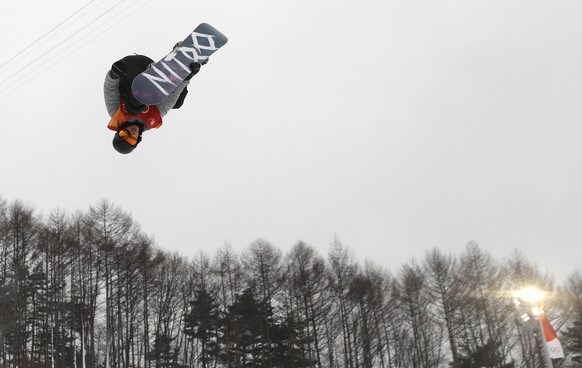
(160, 79)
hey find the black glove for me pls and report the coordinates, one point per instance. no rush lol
(118, 69)
(195, 68)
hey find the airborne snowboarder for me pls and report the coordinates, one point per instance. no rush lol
(129, 117)
(139, 92)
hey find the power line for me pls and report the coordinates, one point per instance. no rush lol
(21, 82)
(46, 34)
(35, 60)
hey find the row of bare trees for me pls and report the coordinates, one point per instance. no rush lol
(90, 290)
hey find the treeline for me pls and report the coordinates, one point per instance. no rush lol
(91, 290)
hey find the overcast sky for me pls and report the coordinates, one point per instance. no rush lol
(397, 126)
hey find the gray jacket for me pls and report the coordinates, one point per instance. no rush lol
(113, 97)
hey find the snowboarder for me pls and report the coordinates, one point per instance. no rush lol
(129, 117)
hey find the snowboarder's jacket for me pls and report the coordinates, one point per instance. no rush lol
(151, 115)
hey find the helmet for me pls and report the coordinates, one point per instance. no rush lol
(120, 143)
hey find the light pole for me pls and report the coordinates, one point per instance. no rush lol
(535, 297)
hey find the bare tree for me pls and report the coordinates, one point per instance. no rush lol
(22, 237)
(228, 269)
(5, 256)
(443, 288)
(263, 266)
(167, 311)
(572, 308)
(309, 284)
(342, 270)
(427, 334)
(110, 229)
(149, 261)
(483, 318)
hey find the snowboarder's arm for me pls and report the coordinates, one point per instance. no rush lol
(111, 94)
(170, 101)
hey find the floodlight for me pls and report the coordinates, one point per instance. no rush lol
(530, 294)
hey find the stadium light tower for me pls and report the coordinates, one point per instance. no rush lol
(534, 297)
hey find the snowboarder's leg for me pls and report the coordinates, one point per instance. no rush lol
(180, 101)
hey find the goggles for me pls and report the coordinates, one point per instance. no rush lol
(132, 139)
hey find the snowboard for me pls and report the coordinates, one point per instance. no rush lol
(160, 79)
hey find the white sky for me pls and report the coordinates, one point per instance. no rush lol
(398, 126)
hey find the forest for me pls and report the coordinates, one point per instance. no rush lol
(91, 290)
